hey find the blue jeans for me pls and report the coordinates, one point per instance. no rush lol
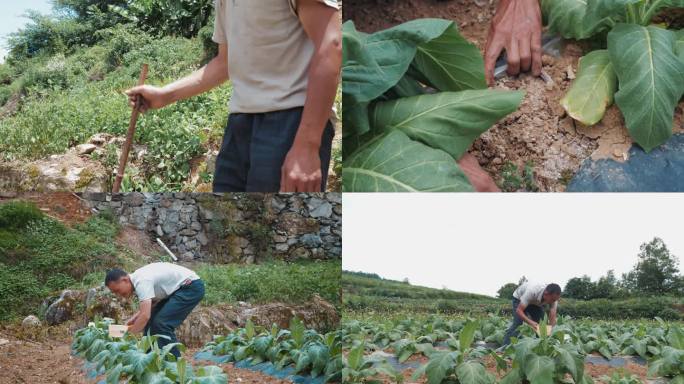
(169, 313)
(534, 312)
(254, 149)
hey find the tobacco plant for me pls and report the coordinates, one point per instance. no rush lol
(359, 369)
(546, 359)
(641, 65)
(414, 99)
(461, 364)
(305, 350)
(139, 360)
(670, 362)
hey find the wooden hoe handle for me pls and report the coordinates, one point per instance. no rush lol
(129, 135)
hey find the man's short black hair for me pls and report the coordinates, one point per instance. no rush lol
(113, 275)
(553, 289)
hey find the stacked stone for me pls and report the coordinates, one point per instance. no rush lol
(302, 226)
(307, 225)
(173, 217)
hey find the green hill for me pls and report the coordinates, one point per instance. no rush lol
(370, 293)
(365, 292)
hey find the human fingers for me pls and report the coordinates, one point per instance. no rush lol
(513, 56)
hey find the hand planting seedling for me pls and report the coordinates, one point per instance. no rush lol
(641, 65)
(414, 100)
(117, 331)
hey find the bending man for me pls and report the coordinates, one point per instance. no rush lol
(167, 294)
(528, 301)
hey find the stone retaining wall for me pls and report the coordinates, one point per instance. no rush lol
(236, 227)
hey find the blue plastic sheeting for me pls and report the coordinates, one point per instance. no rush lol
(661, 170)
(616, 361)
(91, 372)
(266, 368)
(394, 362)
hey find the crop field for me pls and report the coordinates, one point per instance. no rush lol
(294, 351)
(443, 349)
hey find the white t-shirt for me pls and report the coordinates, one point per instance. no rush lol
(530, 293)
(158, 281)
(268, 53)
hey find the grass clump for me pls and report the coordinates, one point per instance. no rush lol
(292, 283)
(40, 256)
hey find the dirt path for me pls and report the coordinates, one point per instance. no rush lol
(45, 362)
(539, 134)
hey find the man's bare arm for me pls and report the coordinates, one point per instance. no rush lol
(302, 167)
(521, 312)
(553, 315)
(204, 79)
(143, 317)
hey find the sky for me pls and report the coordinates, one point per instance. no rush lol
(11, 20)
(478, 242)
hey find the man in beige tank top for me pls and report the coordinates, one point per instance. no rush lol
(283, 58)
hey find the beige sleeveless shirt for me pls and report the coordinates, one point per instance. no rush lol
(268, 53)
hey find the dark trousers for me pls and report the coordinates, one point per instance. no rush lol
(534, 312)
(254, 149)
(169, 313)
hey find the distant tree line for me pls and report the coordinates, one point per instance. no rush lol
(656, 273)
(77, 23)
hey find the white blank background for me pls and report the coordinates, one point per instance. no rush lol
(478, 242)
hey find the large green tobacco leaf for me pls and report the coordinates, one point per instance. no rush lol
(651, 80)
(210, 374)
(450, 121)
(512, 377)
(372, 64)
(571, 360)
(605, 13)
(567, 18)
(450, 62)
(539, 369)
(467, 335)
(157, 378)
(394, 162)
(471, 372)
(592, 92)
(679, 45)
(437, 369)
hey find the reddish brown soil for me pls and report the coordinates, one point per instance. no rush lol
(63, 206)
(539, 133)
(38, 362)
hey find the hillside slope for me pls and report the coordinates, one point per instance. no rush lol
(369, 293)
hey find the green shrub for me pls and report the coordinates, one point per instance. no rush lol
(42, 256)
(274, 281)
(18, 214)
(634, 308)
(19, 289)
